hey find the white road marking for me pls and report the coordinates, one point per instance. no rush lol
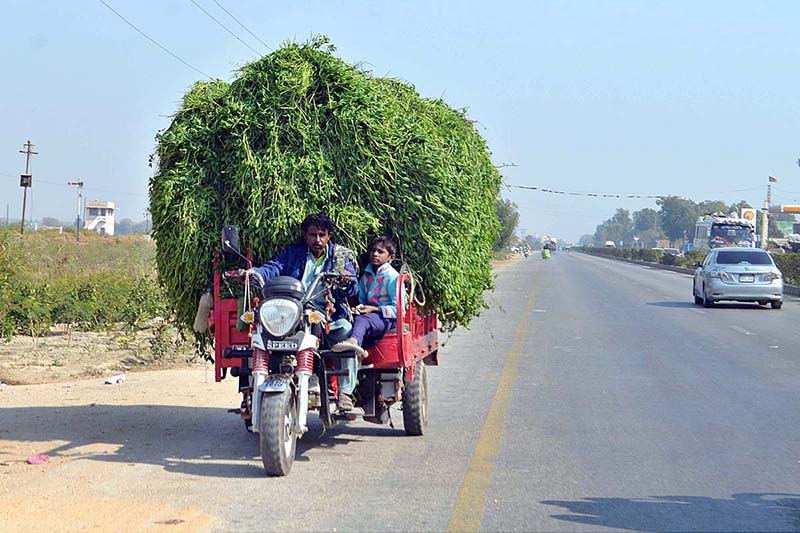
(699, 311)
(741, 330)
(540, 310)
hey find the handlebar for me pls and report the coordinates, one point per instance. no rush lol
(231, 274)
(329, 279)
(239, 275)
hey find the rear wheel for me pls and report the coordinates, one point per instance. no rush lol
(707, 302)
(278, 441)
(777, 304)
(697, 299)
(415, 402)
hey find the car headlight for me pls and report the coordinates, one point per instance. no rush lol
(278, 315)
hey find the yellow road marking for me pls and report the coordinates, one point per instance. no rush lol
(468, 511)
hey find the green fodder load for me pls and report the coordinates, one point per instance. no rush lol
(299, 132)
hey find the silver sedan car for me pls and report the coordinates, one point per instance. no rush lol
(741, 274)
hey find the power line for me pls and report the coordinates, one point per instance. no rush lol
(153, 40)
(224, 27)
(784, 190)
(94, 189)
(243, 26)
(617, 195)
(592, 194)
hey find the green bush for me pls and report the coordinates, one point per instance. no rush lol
(669, 259)
(47, 280)
(789, 265)
(650, 255)
(692, 257)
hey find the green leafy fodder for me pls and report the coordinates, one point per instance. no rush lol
(301, 131)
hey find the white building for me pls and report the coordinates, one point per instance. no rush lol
(99, 217)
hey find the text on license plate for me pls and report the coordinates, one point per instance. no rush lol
(281, 345)
(746, 278)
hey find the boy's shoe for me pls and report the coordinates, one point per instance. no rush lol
(344, 402)
(350, 344)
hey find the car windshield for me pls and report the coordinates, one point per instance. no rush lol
(755, 257)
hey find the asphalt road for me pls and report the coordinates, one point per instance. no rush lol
(592, 395)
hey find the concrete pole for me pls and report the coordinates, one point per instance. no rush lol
(78, 220)
(79, 185)
(765, 218)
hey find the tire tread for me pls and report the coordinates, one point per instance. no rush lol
(412, 398)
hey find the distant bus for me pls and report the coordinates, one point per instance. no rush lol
(717, 231)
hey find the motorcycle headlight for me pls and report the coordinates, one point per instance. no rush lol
(278, 315)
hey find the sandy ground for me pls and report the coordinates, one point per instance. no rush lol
(60, 357)
(104, 444)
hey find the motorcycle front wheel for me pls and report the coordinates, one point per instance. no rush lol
(278, 441)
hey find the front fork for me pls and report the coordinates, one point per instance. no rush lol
(264, 383)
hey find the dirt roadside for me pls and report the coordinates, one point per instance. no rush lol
(61, 356)
(110, 466)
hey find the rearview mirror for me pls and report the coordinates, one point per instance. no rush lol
(697, 264)
(230, 239)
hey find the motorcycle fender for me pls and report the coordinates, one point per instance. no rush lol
(256, 341)
(275, 383)
(309, 342)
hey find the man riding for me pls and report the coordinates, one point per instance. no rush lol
(305, 260)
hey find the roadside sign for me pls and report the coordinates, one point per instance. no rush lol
(25, 180)
(749, 214)
(786, 226)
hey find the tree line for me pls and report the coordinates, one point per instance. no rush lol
(674, 220)
(123, 226)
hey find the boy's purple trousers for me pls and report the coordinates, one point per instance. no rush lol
(368, 329)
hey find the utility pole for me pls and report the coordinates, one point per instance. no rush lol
(765, 213)
(79, 185)
(25, 180)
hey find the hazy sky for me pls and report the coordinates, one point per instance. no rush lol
(698, 99)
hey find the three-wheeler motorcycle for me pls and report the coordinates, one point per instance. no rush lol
(285, 367)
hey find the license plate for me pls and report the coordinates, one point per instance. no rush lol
(746, 278)
(281, 345)
(276, 383)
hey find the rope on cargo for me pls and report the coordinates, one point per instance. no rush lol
(417, 293)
